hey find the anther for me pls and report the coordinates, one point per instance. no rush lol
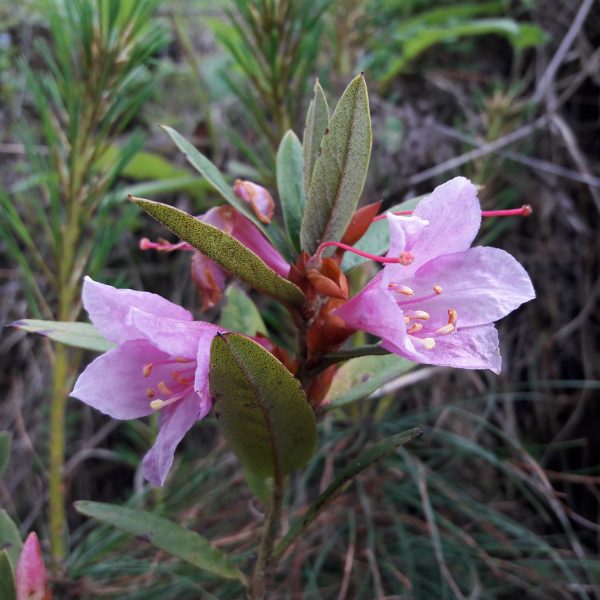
(147, 369)
(450, 327)
(162, 386)
(421, 315)
(437, 289)
(414, 328)
(150, 393)
(428, 343)
(401, 289)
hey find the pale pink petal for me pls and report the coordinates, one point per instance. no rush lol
(201, 381)
(115, 384)
(259, 199)
(174, 422)
(209, 279)
(482, 284)
(375, 310)
(108, 307)
(221, 217)
(30, 578)
(454, 217)
(404, 230)
(249, 235)
(468, 348)
(172, 336)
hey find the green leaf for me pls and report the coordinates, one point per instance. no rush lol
(317, 121)
(360, 377)
(8, 590)
(341, 482)
(225, 250)
(5, 444)
(290, 185)
(79, 335)
(340, 169)
(164, 534)
(377, 239)
(261, 407)
(10, 538)
(240, 313)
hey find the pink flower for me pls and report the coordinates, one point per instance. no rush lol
(438, 305)
(209, 278)
(31, 581)
(161, 363)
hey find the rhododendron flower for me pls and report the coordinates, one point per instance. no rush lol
(30, 578)
(210, 279)
(161, 363)
(437, 305)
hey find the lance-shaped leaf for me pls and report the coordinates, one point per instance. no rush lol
(341, 482)
(79, 335)
(290, 185)
(10, 538)
(5, 444)
(164, 534)
(225, 250)
(340, 169)
(8, 590)
(261, 407)
(240, 313)
(212, 174)
(317, 121)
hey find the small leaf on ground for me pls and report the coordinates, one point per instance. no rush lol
(164, 534)
(261, 407)
(79, 335)
(225, 250)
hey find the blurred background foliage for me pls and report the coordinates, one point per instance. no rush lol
(501, 496)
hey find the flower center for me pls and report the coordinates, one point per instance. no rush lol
(416, 320)
(170, 389)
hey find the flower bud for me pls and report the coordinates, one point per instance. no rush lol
(258, 197)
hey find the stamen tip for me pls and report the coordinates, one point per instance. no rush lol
(526, 210)
(157, 404)
(147, 369)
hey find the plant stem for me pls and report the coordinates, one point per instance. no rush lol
(265, 552)
(325, 360)
(57, 456)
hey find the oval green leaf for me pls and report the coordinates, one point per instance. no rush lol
(225, 250)
(290, 185)
(317, 121)
(261, 407)
(164, 534)
(8, 590)
(79, 335)
(339, 484)
(340, 169)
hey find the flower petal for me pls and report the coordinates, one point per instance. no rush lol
(175, 421)
(249, 235)
(209, 279)
(115, 384)
(375, 310)
(468, 348)
(482, 284)
(201, 382)
(30, 578)
(454, 216)
(108, 308)
(404, 230)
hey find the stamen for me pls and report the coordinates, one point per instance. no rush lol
(401, 289)
(147, 369)
(524, 211)
(450, 327)
(150, 393)
(437, 289)
(414, 328)
(428, 343)
(406, 258)
(158, 403)
(380, 259)
(162, 386)
(419, 314)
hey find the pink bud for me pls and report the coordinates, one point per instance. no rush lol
(258, 197)
(31, 573)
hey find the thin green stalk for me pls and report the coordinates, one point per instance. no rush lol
(258, 583)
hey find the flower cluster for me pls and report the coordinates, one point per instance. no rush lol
(434, 302)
